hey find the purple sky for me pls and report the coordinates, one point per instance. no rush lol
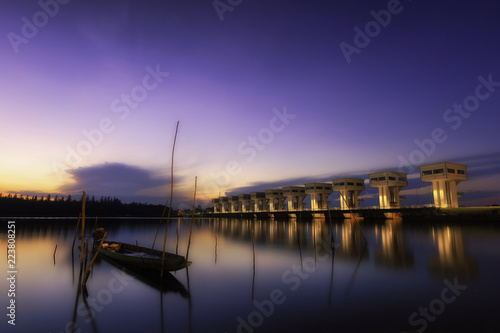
(276, 93)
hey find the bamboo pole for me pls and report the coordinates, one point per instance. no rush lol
(177, 232)
(171, 201)
(192, 217)
(87, 270)
(54, 255)
(332, 239)
(86, 252)
(83, 227)
(159, 224)
(76, 231)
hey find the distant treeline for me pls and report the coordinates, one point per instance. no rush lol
(18, 205)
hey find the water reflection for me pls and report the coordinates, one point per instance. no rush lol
(394, 253)
(335, 286)
(272, 232)
(353, 244)
(452, 260)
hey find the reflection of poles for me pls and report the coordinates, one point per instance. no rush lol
(78, 292)
(177, 231)
(349, 286)
(94, 326)
(314, 244)
(162, 323)
(82, 251)
(332, 240)
(190, 305)
(73, 321)
(192, 218)
(83, 229)
(215, 249)
(253, 278)
(330, 291)
(300, 248)
(72, 266)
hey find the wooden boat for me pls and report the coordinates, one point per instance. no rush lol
(142, 257)
(167, 284)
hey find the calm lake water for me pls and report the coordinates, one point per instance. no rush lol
(405, 278)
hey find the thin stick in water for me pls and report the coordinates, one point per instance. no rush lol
(332, 239)
(54, 255)
(76, 231)
(171, 201)
(82, 249)
(86, 275)
(177, 231)
(215, 249)
(192, 218)
(86, 252)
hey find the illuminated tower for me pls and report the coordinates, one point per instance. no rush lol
(445, 178)
(259, 201)
(295, 197)
(234, 204)
(216, 205)
(224, 205)
(245, 202)
(319, 195)
(349, 189)
(389, 184)
(275, 200)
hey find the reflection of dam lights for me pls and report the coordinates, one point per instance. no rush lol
(452, 259)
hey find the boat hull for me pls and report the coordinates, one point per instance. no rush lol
(144, 258)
